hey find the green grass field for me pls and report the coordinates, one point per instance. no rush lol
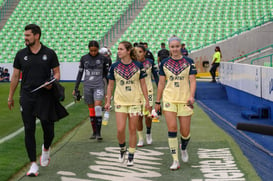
(13, 154)
(75, 157)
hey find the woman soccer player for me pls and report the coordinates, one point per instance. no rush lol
(177, 85)
(150, 69)
(94, 66)
(128, 75)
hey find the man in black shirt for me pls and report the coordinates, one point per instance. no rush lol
(163, 53)
(149, 54)
(37, 64)
(184, 51)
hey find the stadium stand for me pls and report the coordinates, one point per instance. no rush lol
(68, 26)
(1, 3)
(198, 23)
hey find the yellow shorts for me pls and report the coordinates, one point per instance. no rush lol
(135, 110)
(179, 108)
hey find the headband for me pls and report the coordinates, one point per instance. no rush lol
(173, 38)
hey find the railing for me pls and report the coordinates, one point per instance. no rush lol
(4, 7)
(110, 35)
(246, 55)
(255, 59)
(266, 18)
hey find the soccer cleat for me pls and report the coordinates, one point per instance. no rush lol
(45, 157)
(140, 143)
(175, 165)
(122, 155)
(99, 138)
(130, 163)
(149, 139)
(184, 156)
(93, 136)
(33, 171)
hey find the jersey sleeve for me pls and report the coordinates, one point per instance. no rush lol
(54, 61)
(79, 75)
(143, 73)
(110, 74)
(105, 67)
(193, 69)
(16, 63)
(155, 72)
(161, 71)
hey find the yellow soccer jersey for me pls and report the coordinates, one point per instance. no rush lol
(127, 78)
(177, 88)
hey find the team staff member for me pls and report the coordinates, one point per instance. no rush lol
(149, 54)
(215, 62)
(128, 75)
(93, 64)
(184, 51)
(150, 69)
(162, 54)
(178, 97)
(36, 62)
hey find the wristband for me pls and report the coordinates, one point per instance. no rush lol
(157, 102)
(10, 100)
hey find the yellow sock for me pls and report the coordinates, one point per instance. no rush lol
(132, 150)
(185, 138)
(173, 145)
(140, 135)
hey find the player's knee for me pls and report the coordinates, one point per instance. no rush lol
(98, 110)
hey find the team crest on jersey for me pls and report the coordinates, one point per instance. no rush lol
(98, 61)
(167, 105)
(118, 106)
(44, 57)
(87, 72)
(26, 58)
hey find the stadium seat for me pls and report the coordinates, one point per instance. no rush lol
(64, 21)
(74, 23)
(198, 23)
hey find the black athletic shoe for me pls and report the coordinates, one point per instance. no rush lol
(93, 136)
(99, 138)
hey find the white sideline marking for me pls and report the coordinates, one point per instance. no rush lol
(12, 135)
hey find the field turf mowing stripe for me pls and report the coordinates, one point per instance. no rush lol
(212, 152)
